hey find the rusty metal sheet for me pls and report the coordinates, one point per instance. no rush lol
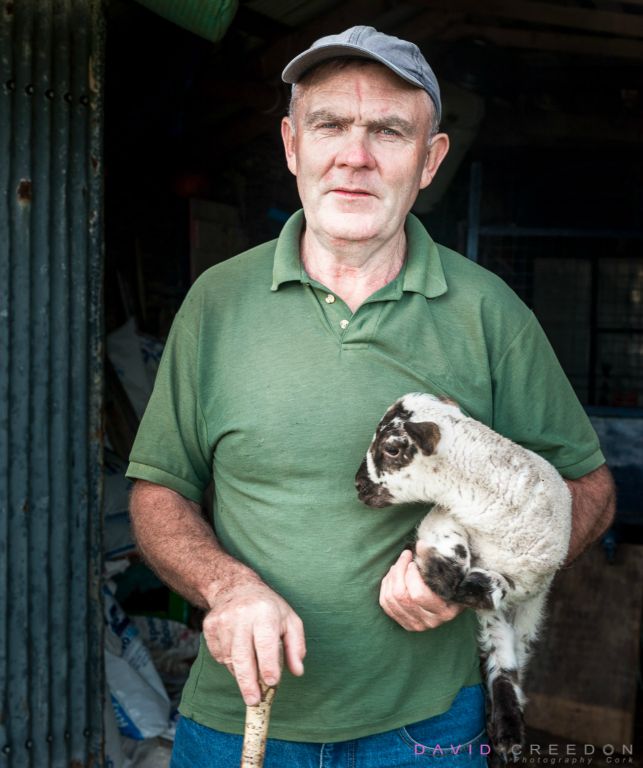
(51, 661)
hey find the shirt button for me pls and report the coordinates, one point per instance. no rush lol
(330, 299)
(344, 324)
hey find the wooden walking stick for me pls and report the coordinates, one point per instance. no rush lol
(256, 728)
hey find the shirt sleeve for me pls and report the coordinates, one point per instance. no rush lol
(535, 405)
(171, 446)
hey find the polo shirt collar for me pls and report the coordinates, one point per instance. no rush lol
(422, 272)
(287, 265)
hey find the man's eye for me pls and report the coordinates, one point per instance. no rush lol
(389, 132)
(328, 126)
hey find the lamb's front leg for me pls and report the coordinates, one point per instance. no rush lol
(444, 559)
(442, 553)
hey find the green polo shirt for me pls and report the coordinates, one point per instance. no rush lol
(270, 384)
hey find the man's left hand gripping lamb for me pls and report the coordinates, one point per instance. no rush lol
(498, 532)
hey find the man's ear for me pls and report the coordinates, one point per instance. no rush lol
(425, 434)
(288, 137)
(436, 153)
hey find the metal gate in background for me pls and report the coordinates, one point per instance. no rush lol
(586, 288)
(51, 661)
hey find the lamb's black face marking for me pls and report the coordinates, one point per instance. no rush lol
(389, 445)
(370, 493)
(397, 441)
(396, 412)
(392, 449)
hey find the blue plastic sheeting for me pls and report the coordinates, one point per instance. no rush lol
(622, 443)
(51, 666)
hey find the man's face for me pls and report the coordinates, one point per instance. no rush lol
(359, 150)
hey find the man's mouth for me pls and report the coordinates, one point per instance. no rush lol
(345, 192)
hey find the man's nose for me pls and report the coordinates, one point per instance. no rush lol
(355, 151)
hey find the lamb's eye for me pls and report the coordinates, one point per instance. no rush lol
(392, 450)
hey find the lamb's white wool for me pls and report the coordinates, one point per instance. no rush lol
(498, 532)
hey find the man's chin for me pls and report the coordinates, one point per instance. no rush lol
(353, 226)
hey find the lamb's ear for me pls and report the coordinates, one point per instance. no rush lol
(426, 435)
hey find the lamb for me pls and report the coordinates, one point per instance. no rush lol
(497, 533)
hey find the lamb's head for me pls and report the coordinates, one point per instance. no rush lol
(408, 436)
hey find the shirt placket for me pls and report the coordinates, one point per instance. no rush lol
(352, 328)
(336, 313)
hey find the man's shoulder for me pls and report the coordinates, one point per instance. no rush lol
(246, 276)
(469, 274)
(246, 267)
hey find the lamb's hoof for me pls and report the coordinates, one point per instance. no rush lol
(475, 590)
(508, 736)
(503, 758)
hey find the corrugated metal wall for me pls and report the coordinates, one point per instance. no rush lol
(51, 663)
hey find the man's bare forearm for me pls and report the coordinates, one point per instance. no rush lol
(180, 546)
(593, 508)
(246, 623)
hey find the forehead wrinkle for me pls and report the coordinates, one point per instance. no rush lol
(387, 121)
(366, 111)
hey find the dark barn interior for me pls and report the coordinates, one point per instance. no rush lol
(544, 109)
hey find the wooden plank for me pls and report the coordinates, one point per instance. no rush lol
(438, 13)
(429, 25)
(592, 724)
(582, 680)
(604, 22)
(550, 41)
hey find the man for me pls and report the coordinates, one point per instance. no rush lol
(278, 367)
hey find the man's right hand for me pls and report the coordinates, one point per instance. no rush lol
(245, 630)
(246, 622)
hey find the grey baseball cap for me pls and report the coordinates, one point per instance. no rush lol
(400, 56)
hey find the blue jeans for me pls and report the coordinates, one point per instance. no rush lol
(454, 739)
